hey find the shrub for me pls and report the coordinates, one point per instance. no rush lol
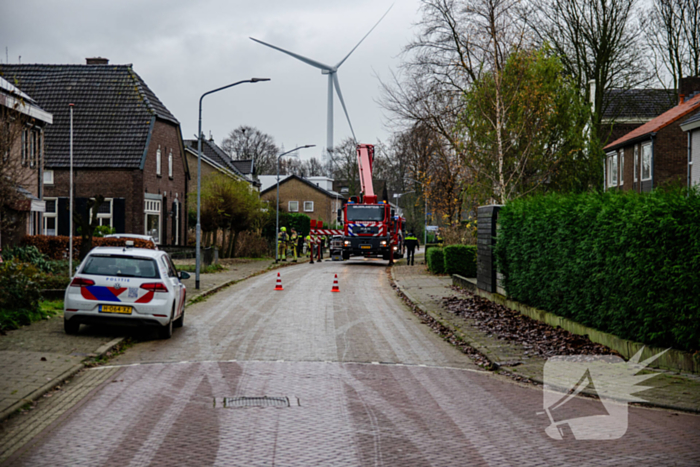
(30, 254)
(301, 222)
(251, 245)
(56, 247)
(460, 259)
(19, 294)
(436, 260)
(623, 263)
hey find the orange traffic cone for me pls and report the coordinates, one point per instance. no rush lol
(335, 284)
(278, 286)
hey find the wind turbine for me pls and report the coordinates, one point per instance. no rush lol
(332, 72)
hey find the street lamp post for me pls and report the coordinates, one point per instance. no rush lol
(277, 221)
(199, 170)
(398, 198)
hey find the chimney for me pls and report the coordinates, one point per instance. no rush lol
(681, 99)
(687, 87)
(96, 61)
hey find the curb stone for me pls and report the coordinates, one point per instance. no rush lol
(512, 374)
(36, 394)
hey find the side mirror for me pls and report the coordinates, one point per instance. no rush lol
(340, 216)
(393, 214)
(183, 275)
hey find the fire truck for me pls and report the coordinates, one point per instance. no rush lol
(370, 227)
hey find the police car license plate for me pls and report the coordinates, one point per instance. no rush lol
(124, 310)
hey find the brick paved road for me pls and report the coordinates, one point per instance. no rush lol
(430, 406)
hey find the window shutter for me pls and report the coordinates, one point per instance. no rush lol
(119, 215)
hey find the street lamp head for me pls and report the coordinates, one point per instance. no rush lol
(255, 80)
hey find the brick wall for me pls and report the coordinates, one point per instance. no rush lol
(670, 160)
(131, 184)
(295, 190)
(166, 137)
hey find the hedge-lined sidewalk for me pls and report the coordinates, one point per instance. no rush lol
(427, 290)
(36, 358)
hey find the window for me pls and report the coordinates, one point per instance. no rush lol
(612, 169)
(158, 162)
(23, 149)
(33, 148)
(170, 164)
(48, 177)
(646, 162)
(622, 166)
(636, 163)
(50, 216)
(365, 213)
(293, 206)
(152, 219)
(104, 213)
(308, 206)
(122, 266)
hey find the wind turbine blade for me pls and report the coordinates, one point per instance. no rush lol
(340, 96)
(358, 44)
(308, 61)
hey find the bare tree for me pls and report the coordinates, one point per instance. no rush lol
(672, 32)
(247, 142)
(596, 40)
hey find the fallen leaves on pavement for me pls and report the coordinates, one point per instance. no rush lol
(538, 339)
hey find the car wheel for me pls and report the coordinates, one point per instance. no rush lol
(71, 326)
(178, 323)
(166, 332)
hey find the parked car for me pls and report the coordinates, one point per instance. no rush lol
(134, 236)
(126, 286)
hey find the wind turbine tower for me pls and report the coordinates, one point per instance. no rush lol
(332, 72)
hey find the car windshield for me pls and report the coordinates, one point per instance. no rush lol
(121, 266)
(365, 213)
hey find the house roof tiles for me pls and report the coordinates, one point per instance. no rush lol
(662, 121)
(112, 115)
(638, 103)
(214, 152)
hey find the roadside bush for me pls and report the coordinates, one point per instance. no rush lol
(460, 259)
(19, 294)
(30, 254)
(56, 247)
(301, 222)
(623, 263)
(251, 245)
(436, 260)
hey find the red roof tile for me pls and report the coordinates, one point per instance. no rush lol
(659, 122)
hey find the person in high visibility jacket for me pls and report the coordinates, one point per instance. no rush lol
(411, 243)
(293, 243)
(307, 240)
(282, 244)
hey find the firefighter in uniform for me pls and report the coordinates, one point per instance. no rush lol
(293, 238)
(282, 244)
(411, 243)
(307, 240)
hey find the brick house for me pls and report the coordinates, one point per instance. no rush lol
(127, 147)
(692, 128)
(22, 123)
(214, 160)
(300, 195)
(655, 153)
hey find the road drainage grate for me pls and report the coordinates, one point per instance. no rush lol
(246, 402)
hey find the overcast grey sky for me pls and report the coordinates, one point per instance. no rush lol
(185, 48)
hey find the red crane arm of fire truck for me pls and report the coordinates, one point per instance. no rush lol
(365, 157)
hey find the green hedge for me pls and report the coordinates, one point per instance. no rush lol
(460, 259)
(19, 294)
(623, 263)
(301, 222)
(436, 260)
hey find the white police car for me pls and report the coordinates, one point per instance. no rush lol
(126, 286)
